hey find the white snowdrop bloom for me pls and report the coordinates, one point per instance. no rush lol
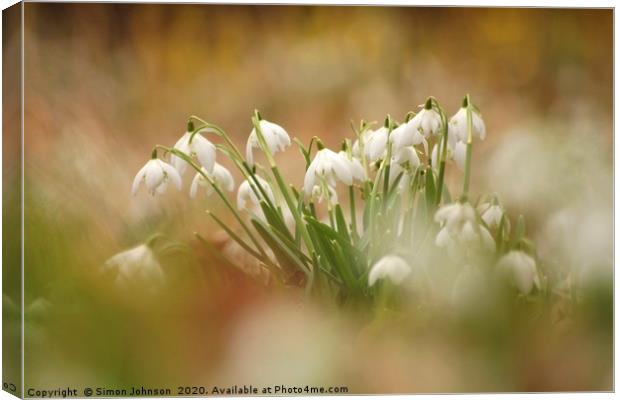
(521, 268)
(491, 214)
(330, 167)
(375, 144)
(357, 170)
(200, 148)
(427, 121)
(457, 127)
(455, 215)
(460, 154)
(397, 169)
(391, 267)
(138, 265)
(444, 238)
(276, 137)
(156, 174)
(220, 175)
(476, 233)
(435, 156)
(407, 155)
(407, 134)
(319, 194)
(248, 200)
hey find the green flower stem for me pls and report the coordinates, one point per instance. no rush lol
(465, 193)
(443, 149)
(187, 159)
(352, 210)
(288, 198)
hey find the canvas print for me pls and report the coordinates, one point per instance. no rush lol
(266, 200)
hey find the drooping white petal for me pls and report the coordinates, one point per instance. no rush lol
(391, 267)
(137, 180)
(407, 155)
(171, 173)
(376, 144)
(443, 238)
(246, 194)
(492, 215)
(204, 151)
(276, 138)
(194, 187)
(153, 175)
(183, 146)
(487, 239)
(223, 177)
(522, 269)
(460, 154)
(458, 125)
(137, 266)
(310, 179)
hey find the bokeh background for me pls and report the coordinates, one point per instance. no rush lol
(105, 82)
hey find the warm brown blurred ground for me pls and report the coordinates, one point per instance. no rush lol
(105, 82)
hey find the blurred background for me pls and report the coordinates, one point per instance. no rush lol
(105, 82)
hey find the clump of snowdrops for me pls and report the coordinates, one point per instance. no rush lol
(366, 211)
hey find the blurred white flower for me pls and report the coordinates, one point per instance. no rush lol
(459, 223)
(156, 174)
(320, 193)
(248, 200)
(427, 121)
(375, 144)
(491, 214)
(220, 175)
(276, 137)
(460, 154)
(407, 134)
(138, 265)
(407, 155)
(457, 127)
(357, 170)
(331, 167)
(200, 147)
(453, 216)
(521, 268)
(391, 267)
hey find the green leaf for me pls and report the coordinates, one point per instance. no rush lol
(285, 255)
(237, 239)
(341, 224)
(430, 190)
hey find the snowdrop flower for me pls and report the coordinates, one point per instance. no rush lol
(357, 170)
(320, 193)
(248, 200)
(453, 216)
(475, 233)
(375, 144)
(156, 174)
(391, 267)
(220, 175)
(406, 155)
(200, 148)
(522, 269)
(427, 121)
(459, 223)
(491, 214)
(276, 137)
(328, 166)
(460, 154)
(135, 266)
(456, 151)
(457, 127)
(407, 134)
